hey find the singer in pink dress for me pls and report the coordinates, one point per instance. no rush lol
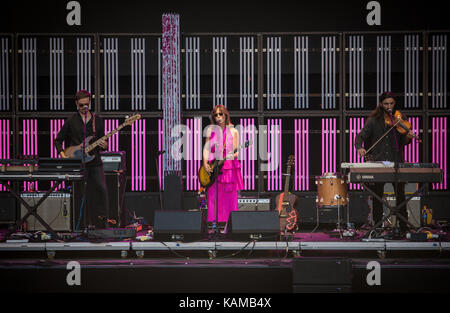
(221, 142)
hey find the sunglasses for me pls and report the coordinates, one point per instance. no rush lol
(218, 114)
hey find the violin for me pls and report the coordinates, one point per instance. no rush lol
(402, 126)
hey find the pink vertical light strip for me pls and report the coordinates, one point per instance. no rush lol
(297, 154)
(441, 146)
(245, 154)
(307, 154)
(35, 151)
(334, 150)
(269, 147)
(445, 152)
(144, 156)
(253, 153)
(350, 137)
(133, 156)
(304, 147)
(433, 143)
(280, 155)
(141, 155)
(199, 150)
(323, 146)
(161, 156)
(188, 154)
(242, 152)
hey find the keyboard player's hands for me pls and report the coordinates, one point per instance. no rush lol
(63, 155)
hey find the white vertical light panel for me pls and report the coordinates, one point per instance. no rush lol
(219, 71)
(56, 48)
(439, 72)
(246, 70)
(111, 73)
(356, 72)
(29, 74)
(138, 100)
(301, 72)
(328, 72)
(383, 65)
(273, 70)
(192, 81)
(84, 56)
(411, 71)
(4, 75)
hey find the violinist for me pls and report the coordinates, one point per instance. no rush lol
(386, 144)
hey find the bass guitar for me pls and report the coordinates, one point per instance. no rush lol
(77, 151)
(287, 203)
(207, 179)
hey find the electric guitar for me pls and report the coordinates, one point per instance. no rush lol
(207, 179)
(287, 203)
(77, 151)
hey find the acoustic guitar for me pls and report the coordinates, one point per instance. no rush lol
(287, 203)
(77, 151)
(207, 179)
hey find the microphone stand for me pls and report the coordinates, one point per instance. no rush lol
(83, 166)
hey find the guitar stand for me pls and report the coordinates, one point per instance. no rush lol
(32, 210)
(392, 209)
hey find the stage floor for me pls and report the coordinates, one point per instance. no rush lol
(122, 266)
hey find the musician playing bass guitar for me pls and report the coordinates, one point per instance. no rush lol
(76, 128)
(386, 144)
(221, 144)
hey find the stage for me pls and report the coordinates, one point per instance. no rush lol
(226, 266)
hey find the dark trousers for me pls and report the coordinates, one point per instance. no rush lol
(399, 191)
(96, 195)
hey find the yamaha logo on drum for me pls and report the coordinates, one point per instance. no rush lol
(367, 177)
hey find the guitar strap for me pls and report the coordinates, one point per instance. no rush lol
(93, 124)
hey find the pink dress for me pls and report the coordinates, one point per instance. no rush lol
(230, 179)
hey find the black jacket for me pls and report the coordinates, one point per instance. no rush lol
(385, 150)
(72, 134)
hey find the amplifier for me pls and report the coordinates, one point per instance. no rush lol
(413, 208)
(253, 204)
(113, 161)
(55, 211)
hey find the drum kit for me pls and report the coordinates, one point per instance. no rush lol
(332, 195)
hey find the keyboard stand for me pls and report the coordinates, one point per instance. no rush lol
(32, 210)
(392, 209)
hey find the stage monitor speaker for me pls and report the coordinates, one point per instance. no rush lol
(248, 225)
(55, 211)
(253, 204)
(179, 225)
(8, 210)
(317, 274)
